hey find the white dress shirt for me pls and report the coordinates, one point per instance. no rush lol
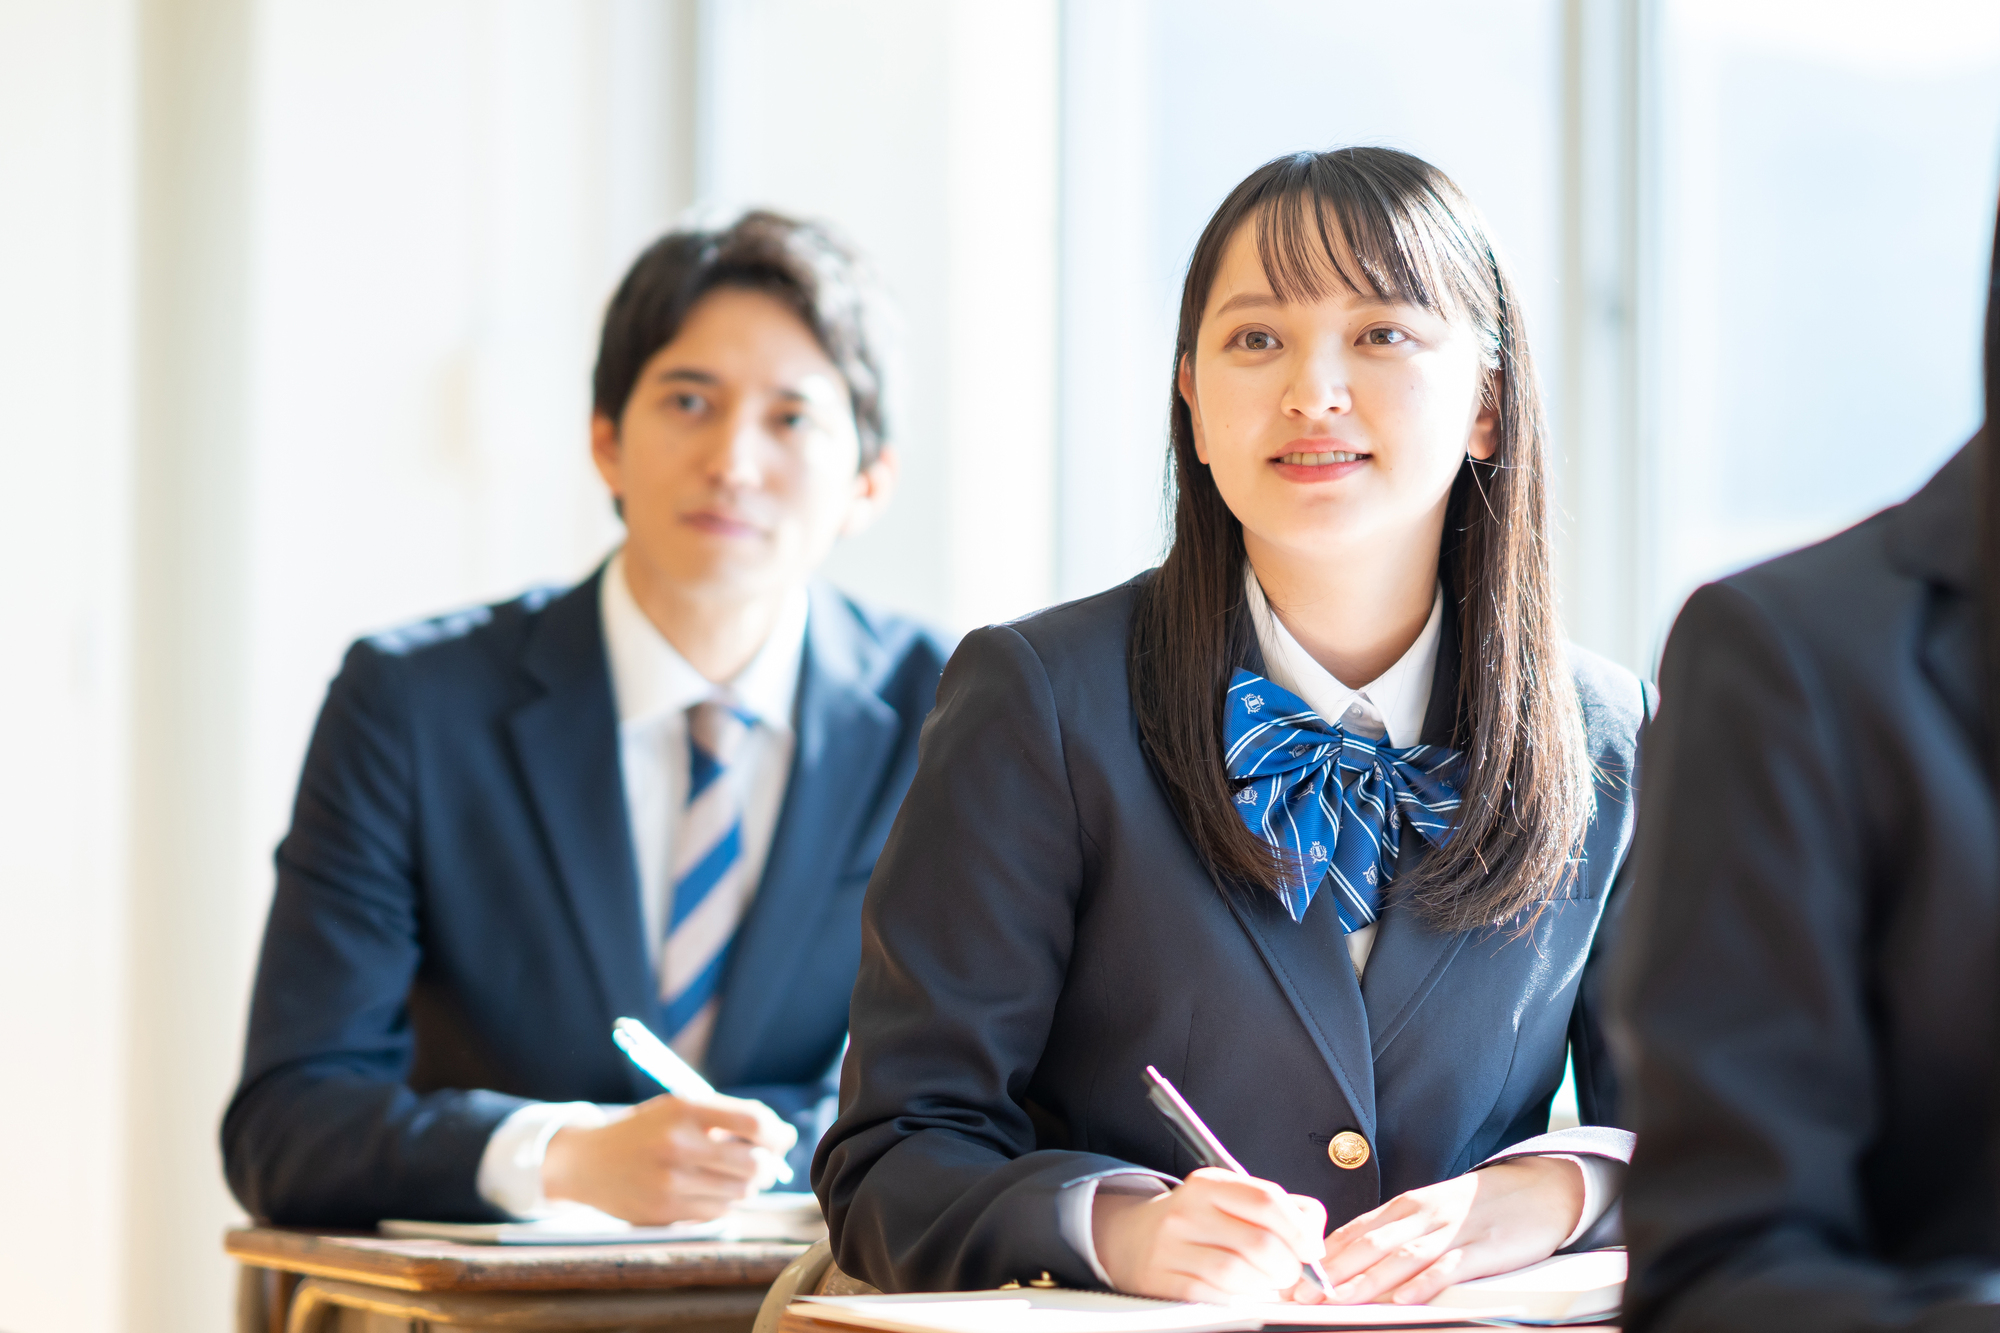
(654, 686)
(1391, 705)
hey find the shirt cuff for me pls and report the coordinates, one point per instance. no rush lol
(510, 1169)
(1075, 1203)
(1603, 1181)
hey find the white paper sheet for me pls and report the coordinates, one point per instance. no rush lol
(1564, 1288)
(780, 1216)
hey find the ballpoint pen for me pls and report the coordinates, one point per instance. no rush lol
(1200, 1140)
(671, 1072)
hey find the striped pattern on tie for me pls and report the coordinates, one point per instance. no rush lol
(1332, 800)
(711, 889)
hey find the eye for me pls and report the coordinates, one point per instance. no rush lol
(689, 402)
(792, 420)
(1385, 337)
(1257, 340)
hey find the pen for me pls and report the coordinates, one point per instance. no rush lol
(671, 1072)
(1200, 1140)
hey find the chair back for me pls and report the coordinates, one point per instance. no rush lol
(811, 1274)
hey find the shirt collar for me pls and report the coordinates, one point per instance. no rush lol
(651, 680)
(1399, 696)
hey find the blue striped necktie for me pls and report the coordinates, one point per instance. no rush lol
(711, 889)
(1335, 801)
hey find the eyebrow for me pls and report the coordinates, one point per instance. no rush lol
(1247, 301)
(688, 375)
(680, 375)
(1267, 301)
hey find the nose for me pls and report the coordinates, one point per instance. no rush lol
(734, 462)
(1319, 386)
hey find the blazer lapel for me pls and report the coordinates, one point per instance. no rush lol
(1404, 965)
(1934, 536)
(566, 742)
(1408, 956)
(1309, 961)
(846, 737)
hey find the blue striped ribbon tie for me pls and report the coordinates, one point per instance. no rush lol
(711, 889)
(1333, 801)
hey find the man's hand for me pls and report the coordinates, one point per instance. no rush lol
(1216, 1237)
(670, 1160)
(1489, 1221)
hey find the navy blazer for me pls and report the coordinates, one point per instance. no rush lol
(1039, 929)
(457, 918)
(1809, 992)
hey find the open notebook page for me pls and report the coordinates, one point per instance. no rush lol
(1563, 1289)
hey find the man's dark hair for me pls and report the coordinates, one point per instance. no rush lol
(805, 265)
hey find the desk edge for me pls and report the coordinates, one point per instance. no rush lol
(251, 1246)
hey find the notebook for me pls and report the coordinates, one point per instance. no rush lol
(776, 1216)
(1568, 1289)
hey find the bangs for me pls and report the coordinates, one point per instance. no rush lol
(1375, 234)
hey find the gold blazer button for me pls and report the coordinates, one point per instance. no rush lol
(1348, 1150)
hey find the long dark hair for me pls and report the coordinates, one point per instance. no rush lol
(1391, 225)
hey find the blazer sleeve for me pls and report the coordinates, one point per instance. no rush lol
(1742, 992)
(1599, 1133)
(931, 1178)
(323, 1130)
(1598, 1102)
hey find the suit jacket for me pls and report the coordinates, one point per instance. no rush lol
(1810, 1001)
(457, 919)
(1039, 929)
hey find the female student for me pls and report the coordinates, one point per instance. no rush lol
(1320, 818)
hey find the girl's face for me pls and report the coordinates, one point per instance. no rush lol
(1334, 422)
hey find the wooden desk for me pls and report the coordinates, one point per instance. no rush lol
(308, 1282)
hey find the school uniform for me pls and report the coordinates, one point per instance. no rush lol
(1809, 997)
(1039, 929)
(521, 822)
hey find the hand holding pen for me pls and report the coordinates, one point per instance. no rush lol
(681, 1079)
(1221, 1236)
(1201, 1143)
(688, 1156)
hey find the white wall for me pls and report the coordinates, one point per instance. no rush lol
(189, 635)
(66, 104)
(435, 240)
(927, 132)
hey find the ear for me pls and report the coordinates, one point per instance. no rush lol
(607, 453)
(1184, 379)
(874, 487)
(1484, 441)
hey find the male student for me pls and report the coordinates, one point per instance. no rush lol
(1809, 992)
(657, 794)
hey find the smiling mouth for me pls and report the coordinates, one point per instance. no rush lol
(1321, 460)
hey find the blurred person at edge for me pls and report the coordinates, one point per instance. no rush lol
(1808, 1018)
(659, 793)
